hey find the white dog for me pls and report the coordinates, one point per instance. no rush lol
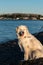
(31, 47)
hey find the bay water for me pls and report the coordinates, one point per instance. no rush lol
(8, 28)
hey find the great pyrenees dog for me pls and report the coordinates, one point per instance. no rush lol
(31, 46)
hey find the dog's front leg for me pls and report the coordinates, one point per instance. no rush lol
(21, 47)
(27, 54)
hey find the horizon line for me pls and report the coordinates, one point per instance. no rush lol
(20, 13)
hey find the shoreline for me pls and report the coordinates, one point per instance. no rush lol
(21, 16)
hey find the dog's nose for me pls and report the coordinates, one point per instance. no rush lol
(21, 33)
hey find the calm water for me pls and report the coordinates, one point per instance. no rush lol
(7, 28)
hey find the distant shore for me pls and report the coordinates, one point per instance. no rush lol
(21, 16)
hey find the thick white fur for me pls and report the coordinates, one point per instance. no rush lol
(31, 47)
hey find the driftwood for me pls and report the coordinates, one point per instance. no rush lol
(10, 53)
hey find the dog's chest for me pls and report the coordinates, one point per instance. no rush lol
(25, 42)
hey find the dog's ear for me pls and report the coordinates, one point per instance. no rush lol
(27, 31)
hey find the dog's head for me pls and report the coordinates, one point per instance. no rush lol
(21, 31)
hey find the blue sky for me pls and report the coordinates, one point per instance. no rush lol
(21, 6)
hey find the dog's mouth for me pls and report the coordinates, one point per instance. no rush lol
(21, 33)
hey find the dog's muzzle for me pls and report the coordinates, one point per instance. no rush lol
(21, 33)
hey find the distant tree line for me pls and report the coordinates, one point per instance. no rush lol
(20, 16)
